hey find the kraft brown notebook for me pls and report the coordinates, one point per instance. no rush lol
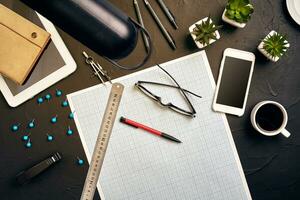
(21, 44)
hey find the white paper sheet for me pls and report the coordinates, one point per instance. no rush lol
(139, 165)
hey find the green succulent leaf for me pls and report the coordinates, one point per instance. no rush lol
(230, 14)
(238, 16)
(276, 45)
(239, 10)
(233, 4)
(205, 31)
(247, 10)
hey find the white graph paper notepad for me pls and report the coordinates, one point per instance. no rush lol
(139, 165)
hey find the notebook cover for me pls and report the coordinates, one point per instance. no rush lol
(22, 42)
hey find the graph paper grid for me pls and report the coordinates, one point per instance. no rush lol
(139, 165)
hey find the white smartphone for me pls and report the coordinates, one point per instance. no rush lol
(234, 81)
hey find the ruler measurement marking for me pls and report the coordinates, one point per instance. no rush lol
(102, 141)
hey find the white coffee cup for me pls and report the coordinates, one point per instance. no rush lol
(281, 129)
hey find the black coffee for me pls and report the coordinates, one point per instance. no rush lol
(269, 117)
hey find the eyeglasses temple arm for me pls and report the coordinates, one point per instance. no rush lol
(172, 86)
(183, 93)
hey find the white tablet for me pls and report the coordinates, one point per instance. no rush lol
(54, 64)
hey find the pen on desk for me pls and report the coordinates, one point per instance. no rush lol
(140, 20)
(168, 13)
(160, 25)
(148, 129)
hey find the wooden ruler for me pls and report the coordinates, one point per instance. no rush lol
(102, 141)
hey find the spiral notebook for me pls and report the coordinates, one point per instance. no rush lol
(139, 165)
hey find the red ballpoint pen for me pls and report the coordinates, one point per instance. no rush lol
(148, 129)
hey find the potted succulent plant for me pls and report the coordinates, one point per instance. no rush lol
(204, 32)
(238, 12)
(274, 46)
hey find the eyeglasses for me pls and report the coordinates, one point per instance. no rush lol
(191, 112)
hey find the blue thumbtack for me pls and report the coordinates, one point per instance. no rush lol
(71, 115)
(48, 96)
(15, 127)
(80, 161)
(28, 144)
(69, 131)
(54, 119)
(31, 124)
(58, 93)
(50, 138)
(25, 137)
(40, 100)
(64, 103)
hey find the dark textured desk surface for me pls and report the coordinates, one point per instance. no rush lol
(271, 165)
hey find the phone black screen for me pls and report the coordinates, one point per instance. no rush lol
(234, 81)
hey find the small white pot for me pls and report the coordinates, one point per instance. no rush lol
(232, 22)
(264, 52)
(199, 45)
